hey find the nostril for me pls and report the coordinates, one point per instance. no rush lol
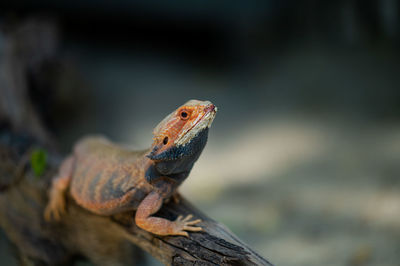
(210, 108)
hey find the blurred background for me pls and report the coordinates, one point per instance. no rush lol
(302, 160)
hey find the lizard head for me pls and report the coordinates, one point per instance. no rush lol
(181, 136)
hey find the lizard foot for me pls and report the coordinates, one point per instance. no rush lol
(55, 208)
(184, 224)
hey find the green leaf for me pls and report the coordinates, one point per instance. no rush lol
(39, 161)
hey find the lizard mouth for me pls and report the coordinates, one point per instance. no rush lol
(197, 126)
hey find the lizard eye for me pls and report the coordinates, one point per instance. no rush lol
(184, 115)
(165, 140)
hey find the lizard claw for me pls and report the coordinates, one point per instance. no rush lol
(185, 224)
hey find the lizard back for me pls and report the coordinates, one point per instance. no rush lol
(105, 174)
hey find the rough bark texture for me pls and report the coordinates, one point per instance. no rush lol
(23, 195)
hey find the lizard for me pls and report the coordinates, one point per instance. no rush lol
(107, 179)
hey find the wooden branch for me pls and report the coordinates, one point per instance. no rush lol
(104, 240)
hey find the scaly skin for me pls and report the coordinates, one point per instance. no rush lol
(107, 179)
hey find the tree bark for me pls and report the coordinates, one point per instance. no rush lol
(104, 240)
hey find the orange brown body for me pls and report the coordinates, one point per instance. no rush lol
(107, 179)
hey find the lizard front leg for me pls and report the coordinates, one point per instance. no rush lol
(56, 205)
(160, 226)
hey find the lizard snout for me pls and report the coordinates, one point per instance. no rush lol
(209, 108)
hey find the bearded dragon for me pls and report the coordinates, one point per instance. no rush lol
(107, 179)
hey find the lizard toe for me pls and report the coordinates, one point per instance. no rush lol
(179, 219)
(187, 218)
(193, 222)
(182, 233)
(192, 228)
